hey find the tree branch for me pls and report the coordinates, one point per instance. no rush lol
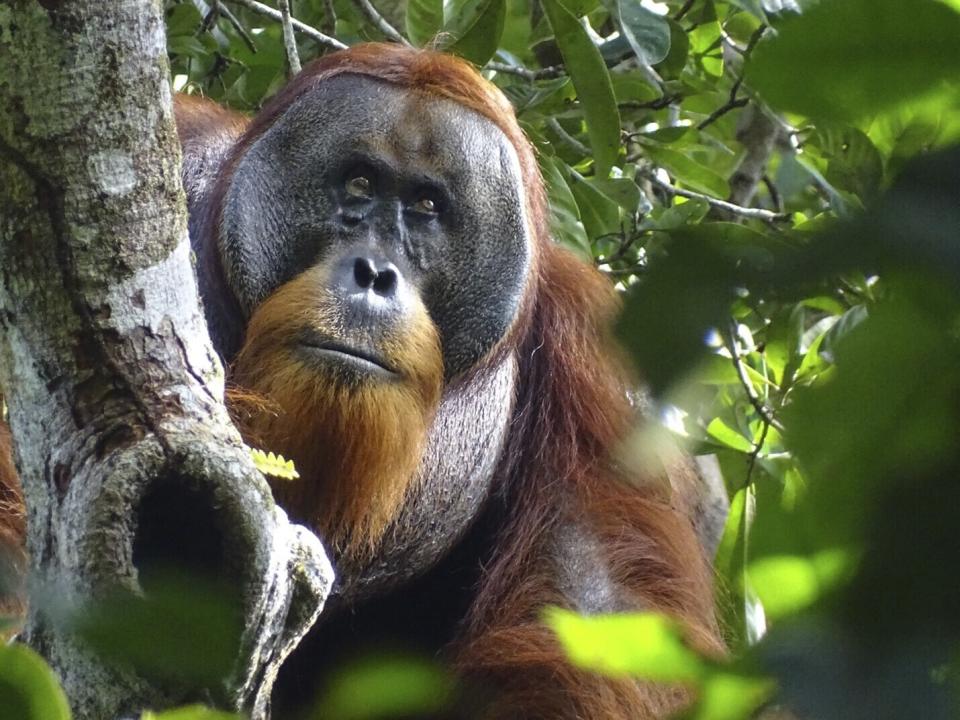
(371, 13)
(310, 32)
(765, 413)
(745, 212)
(289, 41)
(554, 71)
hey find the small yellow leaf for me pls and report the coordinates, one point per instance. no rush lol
(273, 465)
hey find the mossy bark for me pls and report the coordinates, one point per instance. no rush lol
(112, 384)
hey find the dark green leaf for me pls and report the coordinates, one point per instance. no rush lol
(184, 630)
(853, 163)
(476, 26)
(689, 172)
(565, 225)
(592, 82)
(600, 214)
(387, 687)
(647, 32)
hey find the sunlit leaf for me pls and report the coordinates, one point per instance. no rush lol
(643, 645)
(28, 688)
(191, 712)
(789, 583)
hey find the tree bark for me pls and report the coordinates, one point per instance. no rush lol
(113, 388)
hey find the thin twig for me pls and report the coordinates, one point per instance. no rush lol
(775, 197)
(749, 213)
(765, 413)
(289, 41)
(329, 16)
(655, 104)
(310, 32)
(218, 9)
(371, 13)
(546, 73)
(684, 10)
(567, 139)
(732, 104)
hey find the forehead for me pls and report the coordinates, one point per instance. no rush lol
(411, 129)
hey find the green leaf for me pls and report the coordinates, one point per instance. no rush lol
(729, 696)
(644, 645)
(28, 688)
(857, 57)
(183, 19)
(592, 82)
(647, 32)
(672, 65)
(476, 26)
(691, 173)
(854, 164)
(565, 225)
(386, 687)
(191, 712)
(184, 630)
(623, 191)
(754, 7)
(423, 20)
(722, 432)
(787, 584)
(600, 214)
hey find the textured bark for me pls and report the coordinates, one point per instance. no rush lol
(113, 389)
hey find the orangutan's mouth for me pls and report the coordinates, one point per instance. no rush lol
(352, 358)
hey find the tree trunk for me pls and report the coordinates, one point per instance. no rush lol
(113, 388)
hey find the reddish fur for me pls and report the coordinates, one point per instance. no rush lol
(356, 448)
(572, 411)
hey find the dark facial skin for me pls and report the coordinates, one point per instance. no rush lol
(397, 192)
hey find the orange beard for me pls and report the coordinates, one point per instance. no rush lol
(356, 441)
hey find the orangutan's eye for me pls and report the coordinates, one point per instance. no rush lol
(359, 186)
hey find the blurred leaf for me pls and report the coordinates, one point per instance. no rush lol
(789, 583)
(183, 630)
(858, 57)
(729, 696)
(681, 298)
(592, 81)
(647, 32)
(643, 645)
(29, 690)
(192, 712)
(386, 687)
(476, 26)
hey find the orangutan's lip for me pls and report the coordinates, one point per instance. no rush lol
(346, 355)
